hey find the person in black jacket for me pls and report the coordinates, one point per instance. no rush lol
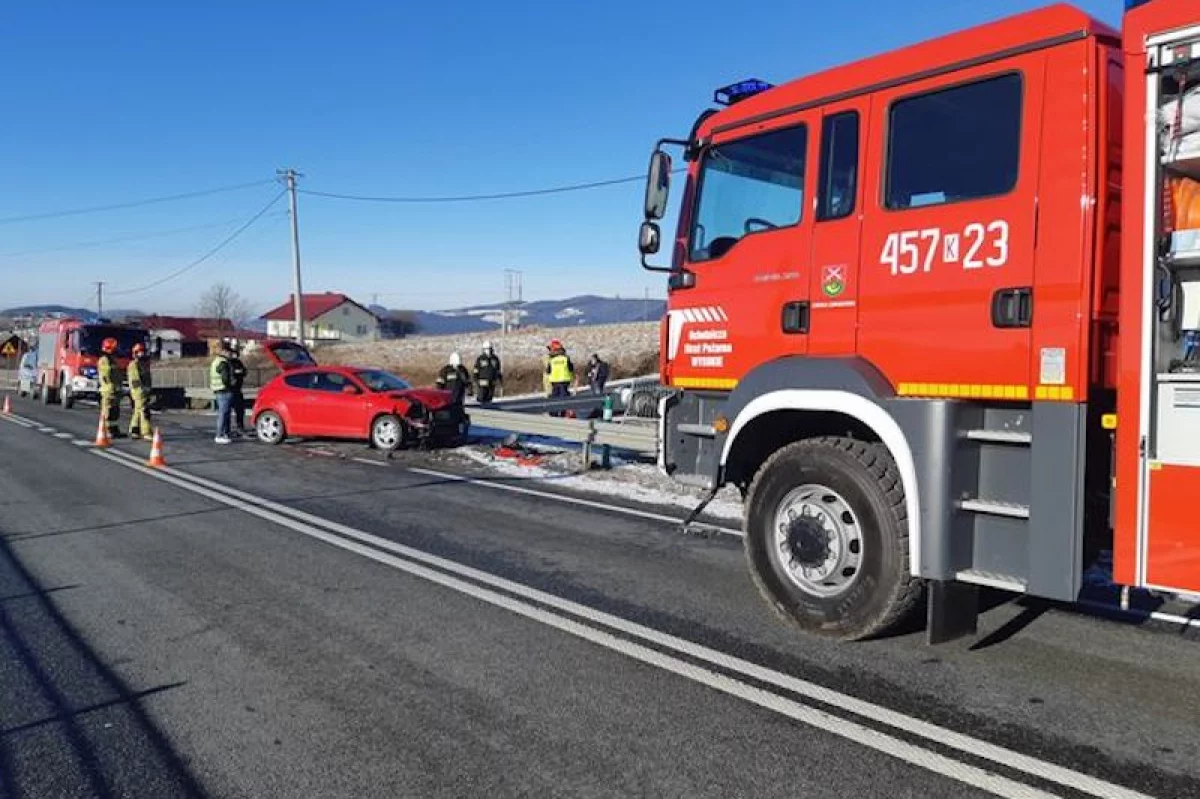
(454, 378)
(487, 373)
(597, 374)
(237, 377)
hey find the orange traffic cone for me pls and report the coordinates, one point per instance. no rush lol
(156, 451)
(102, 438)
(7, 405)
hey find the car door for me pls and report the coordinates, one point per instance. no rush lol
(945, 302)
(336, 406)
(748, 250)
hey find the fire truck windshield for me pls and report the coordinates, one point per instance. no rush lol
(748, 185)
(88, 339)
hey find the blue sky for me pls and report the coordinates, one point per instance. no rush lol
(116, 101)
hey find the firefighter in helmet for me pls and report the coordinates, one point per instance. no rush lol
(487, 373)
(454, 378)
(139, 392)
(560, 372)
(111, 380)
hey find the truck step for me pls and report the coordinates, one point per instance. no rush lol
(1004, 582)
(1000, 436)
(991, 507)
(702, 430)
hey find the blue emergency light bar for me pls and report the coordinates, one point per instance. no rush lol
(1132, 4)
(742, 90)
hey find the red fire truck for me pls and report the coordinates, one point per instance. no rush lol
(67, 354)
(937, 314)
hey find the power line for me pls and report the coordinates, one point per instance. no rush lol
(226, 241)
(86, 245)
(132, 204)
(462, 198)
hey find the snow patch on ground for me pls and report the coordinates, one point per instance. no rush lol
(637, 482)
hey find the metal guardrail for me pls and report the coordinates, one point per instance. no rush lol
(588, 432)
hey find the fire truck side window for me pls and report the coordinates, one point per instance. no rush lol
(746, 186)
(961, 143)
(839, 166)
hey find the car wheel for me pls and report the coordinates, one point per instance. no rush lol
(269, 427)
(68, 399)
(388, 432)
(827, 538)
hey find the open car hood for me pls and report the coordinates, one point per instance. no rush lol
(289, 355)
(432, 398)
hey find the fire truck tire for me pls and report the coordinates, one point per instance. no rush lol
(827, 538)
(65, 396)
(47, 394)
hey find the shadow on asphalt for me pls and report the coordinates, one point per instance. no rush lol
(69, 725)
(96, 528)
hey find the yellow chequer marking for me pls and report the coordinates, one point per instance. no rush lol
(970, 391)
(705, 382)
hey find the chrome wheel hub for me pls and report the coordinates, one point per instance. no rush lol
(269, 428)
(818, 540)
(387, 433)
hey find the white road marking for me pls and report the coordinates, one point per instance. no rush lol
(47, 430)
(865, 736)
(587, 503)
(81, 443)
(15, 420)
(336, 534)
(369, 462)
(63, 435)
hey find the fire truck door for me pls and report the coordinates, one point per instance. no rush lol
(945, 303)
(748, 249)
(837, 229)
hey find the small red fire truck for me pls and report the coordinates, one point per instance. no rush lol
(937, 314)
(67, 354)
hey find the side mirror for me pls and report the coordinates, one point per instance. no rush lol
(649, 238)
(658, 185)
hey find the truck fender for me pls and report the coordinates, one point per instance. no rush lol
(868, 413)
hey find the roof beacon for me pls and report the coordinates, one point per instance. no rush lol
(736, 92)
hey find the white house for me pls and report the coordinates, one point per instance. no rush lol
(328, 318)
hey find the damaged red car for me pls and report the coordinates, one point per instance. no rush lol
(308, 400)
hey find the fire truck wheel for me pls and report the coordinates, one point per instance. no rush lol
(65, 396)
(827, 538)
(47, 397)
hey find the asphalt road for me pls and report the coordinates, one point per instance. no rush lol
(263, 621)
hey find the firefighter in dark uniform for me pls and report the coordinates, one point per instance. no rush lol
(454, 378)
(487, 373)
(111, 380)
(139, 392)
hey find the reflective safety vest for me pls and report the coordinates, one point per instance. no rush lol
(109, 373)
(215, 381)
(560, 369)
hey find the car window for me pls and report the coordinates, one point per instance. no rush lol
(304, 380)
(377, 380)
(335, 383)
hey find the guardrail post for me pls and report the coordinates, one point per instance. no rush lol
(587, 445)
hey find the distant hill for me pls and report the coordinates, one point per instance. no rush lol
(64, 310)
(582, 310)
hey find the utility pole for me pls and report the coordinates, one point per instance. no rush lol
(99, 298)
(290, 175)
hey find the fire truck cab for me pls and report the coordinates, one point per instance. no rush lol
(68, 350)
(911, 297)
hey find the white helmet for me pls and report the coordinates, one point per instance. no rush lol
(455, 359)
(487, 346)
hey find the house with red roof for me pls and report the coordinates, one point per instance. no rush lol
(328, 318)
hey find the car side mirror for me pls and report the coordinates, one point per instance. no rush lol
(658, 185)
(649, 238)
